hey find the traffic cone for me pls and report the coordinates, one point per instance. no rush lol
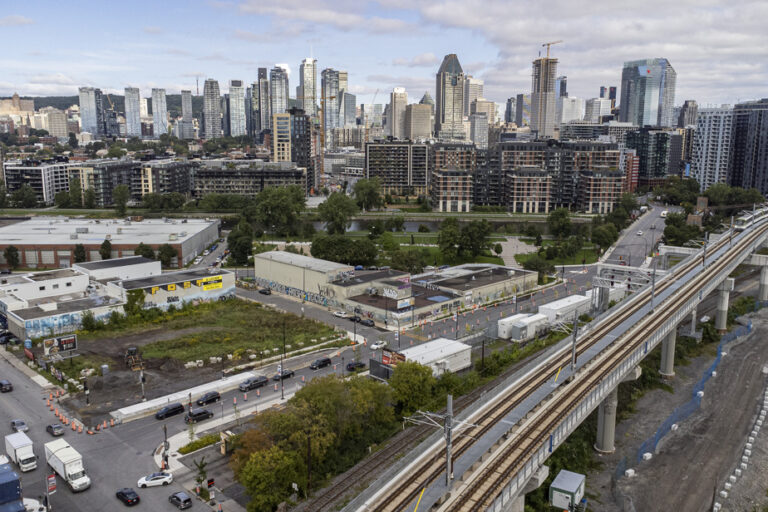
(275, 387)
(245, 397)
(105, 424)
(80, 429)
(112, 422)
(302, 378)
(74, 427)
(258, 392)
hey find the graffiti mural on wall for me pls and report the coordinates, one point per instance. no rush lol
(58, 324)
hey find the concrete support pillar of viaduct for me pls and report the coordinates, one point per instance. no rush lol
(668, 354)
(721, 315)
(606, 417)
(538, 478)
(761, 260)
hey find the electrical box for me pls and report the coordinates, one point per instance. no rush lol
(566, 490)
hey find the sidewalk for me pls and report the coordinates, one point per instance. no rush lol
(26, 370)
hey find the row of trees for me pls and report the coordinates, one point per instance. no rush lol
(457, 241)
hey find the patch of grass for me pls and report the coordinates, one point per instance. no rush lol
(587, 253)
(197, 444)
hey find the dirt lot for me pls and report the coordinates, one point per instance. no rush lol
(694, 461)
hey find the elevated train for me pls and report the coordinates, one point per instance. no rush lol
(747, 218)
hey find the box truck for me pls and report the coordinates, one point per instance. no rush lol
(20, 450)
(68, 464)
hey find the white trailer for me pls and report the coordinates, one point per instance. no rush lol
(442, 355)
(505, 325)
(20, 449)
(528, 328)
(68, 464)
(562, 310)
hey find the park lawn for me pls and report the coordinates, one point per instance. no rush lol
(587, 253)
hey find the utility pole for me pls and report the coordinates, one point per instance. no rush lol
(653, 284)
(282, 356)
(448, 431)
(573, 349)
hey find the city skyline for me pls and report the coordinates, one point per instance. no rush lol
(384, 45)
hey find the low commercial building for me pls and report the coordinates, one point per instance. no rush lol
(130, 267)
(49, 242)
(175, 288)
(298, 275)
(441, 355)
(478, 283)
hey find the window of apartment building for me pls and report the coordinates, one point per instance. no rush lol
(69, 284)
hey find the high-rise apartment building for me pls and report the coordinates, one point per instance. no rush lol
(487, 107)
(264, 105)
(543, 108)
(308, 86)
(478, 129)
(648, 93)
(400, 166)
(523, 110)
(237, 124)
(596, 108)
(654, 149)
(302, 146)
(418, 121)
(278, 90)
(571, 109)
(749, 146)
(91, 111)
(712, 146)
(329, 82)
(281, 137)
(398, 100)
(510, 112)
(132, 112)
(211, 109)
(159, 112)
(449, 102)
(187, 127)
(688, 114)
(473, 89)
(348, 110)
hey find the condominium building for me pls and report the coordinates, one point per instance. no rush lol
(278, 90)
(398, 100)
(246, 178)
(308, 86)
(451, 190)
(599, 190)
(45, 178)
(211, 109)
(523, 110)
(749, 146)
(159, 112)
(648, 93)
(528, 189)
(543, 97)
(596, 109)
(132, 112)
(281, 137)
(400, 166)
(187, 128)
(237, 123)
(330, 105)
(473, 90)
(91, 111)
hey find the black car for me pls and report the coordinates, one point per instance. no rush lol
(367, 322)
(196, 415)
(285, 374)
(7, 337)
(169, 410)
(209, 398)
(56, 430)
(320, 363)
(265, 291)
(353, 366)
(128, 496)
(181, 500)
(5, 386)
(253, 383)
(355, 318)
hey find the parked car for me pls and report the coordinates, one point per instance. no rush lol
(253, 383)
(169, 410)
(639, 233)
(128, 496)
(285, 374)
(56, 429)
(196, 415)
(340, 314)
(6, 386)
(155, 479)
(209, 398)
(19, 426)
(355, 318)
(265, 291)
(367, 322)
(320, 363)
(353, 366)
(180, 500)
(206, 252)
(379, 344)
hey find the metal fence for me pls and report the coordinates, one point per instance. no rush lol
(688, 408)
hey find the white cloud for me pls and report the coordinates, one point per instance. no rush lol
(152, 30)
(423, 60)
(15, 20)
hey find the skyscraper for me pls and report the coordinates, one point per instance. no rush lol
(748, 166)
(481, 105)
(398, 100)
(572, 110)
(329, 82)
(348, 110)
(187, 127)
(688, 114)
(561, 87)
(237, 123)
(264, 104)
(91, 111)
(479, 129)
(418, 121)
(224, 107)
(159, 113)
(211, 109)
(712, 146)
(648, 92)
(473, 89)
(523, 110)
(449, 102)
(509, 112)
(308, 86)
(343, 81)
(596, 108)
(132, 112)
(278, 90)
(543, 97)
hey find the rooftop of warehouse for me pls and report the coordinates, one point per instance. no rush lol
(116, 262)
(367, 276)
(466, 277)
(301, 261)
(433, 350)
(422, 297)
(64, 304)
(44, 231)
(172, 277)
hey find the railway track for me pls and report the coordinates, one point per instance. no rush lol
(433, 465)
(486, 484)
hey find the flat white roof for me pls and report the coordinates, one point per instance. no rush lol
(565, 302)
(58, 231)
(433, 350)
(301, 261)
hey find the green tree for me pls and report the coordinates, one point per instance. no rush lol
(115, 151)
(267, 477)
(408, 261)
(368, 194)
(11, 255)
(134, 302)
(559, 222)
(474, 237)
(388, 242)
(167, 254)
(24, 197)
(278, 209)
(240, 242)
(89, 199)
(604, 236)
(449, 238)
(106, 250)
(3, 194)
(629, 202)
(75, 193)
(394, 223)
(412, 385)
(61, 199)
(79, 253)
(538, 264)
(144, 250)
(336, 212)
(498, 249)
(120, 196)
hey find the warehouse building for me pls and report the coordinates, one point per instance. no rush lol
(130, 267)
(49, 242)
(478, 283)
(175, 288)
(298, 275)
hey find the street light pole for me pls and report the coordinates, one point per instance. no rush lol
(282, 357)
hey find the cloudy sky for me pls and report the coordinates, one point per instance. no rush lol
(718, 48)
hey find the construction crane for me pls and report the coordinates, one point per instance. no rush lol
(550, 44)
